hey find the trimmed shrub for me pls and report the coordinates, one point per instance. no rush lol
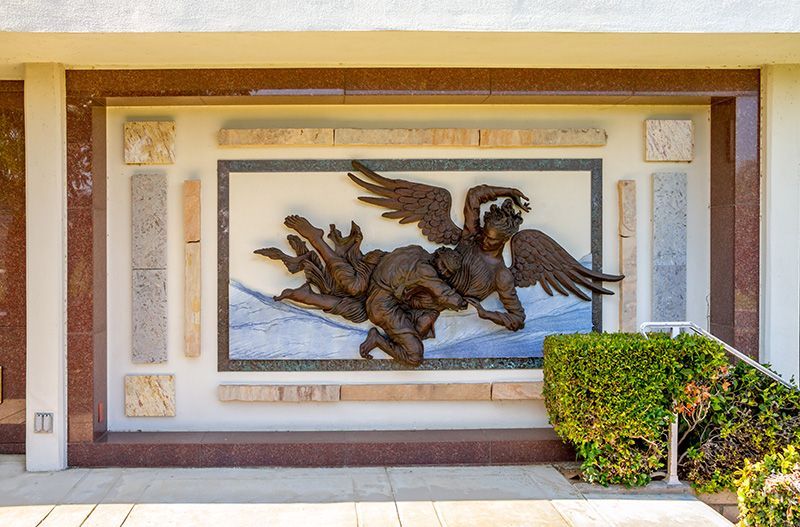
(769, 491)
(744, 415)
(612, 396)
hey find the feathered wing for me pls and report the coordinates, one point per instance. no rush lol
(537, 258)
(426, 205)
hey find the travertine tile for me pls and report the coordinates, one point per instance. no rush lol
(149, 305)
(279, 392)
(275, 136)
(669, 247)
(149, 142)
(543, 137)
(669, 140)
(407, 136)
(517, 391)
(149, 221)
(418, 392)
(191, 300)
(191, 211)
(150, 395)
(627, 255)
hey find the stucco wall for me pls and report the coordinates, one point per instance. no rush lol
(197, 152)
(677, 16)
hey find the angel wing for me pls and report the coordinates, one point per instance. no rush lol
(426, 205)
(537, 258)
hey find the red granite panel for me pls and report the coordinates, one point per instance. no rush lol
(79, 270)
(12, 267)
(393, 85)
(723, 259)
(12, 359)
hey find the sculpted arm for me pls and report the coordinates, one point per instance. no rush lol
(514, 316)
(477, 196)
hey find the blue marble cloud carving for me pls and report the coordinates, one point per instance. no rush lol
(262, 329)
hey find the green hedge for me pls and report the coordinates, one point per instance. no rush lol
(611, 396)
(769, 491)
(745, 416)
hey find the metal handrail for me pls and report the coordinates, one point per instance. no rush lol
(730, 349)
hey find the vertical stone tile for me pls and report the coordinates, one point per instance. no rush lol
(191, 211)
(627, 255)
(149, 142)
(149, 316)
(191, 306)
(669, 140)
(150, 395)
(669, 246)
(149, 221)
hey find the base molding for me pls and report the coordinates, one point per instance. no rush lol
(321, 449)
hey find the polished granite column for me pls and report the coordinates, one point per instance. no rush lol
(735, 217)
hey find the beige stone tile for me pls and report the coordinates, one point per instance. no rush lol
(627, 255)
(407, 136)
(578, 512)
(149, 142)
(508, 513)
(543, 137)
(244, 515)
(275, 136)
(417, 392)
(279, 392)
(418, 514)
(377, 514)
(150, 395)
(23, 515)
(513, 391)
(191, 210)
(67, 515)
(670, 510)
(108, 515)
(669, 140)
(191, 299)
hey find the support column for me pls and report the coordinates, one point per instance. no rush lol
(735, 210)
(781, 226)
(46, 262)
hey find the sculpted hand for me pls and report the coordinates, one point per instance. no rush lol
(521, 200)
(477, 305)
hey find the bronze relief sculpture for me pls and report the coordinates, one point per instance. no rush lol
(404, 290)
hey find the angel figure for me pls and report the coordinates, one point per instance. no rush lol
(536, 258)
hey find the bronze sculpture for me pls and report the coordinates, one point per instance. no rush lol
(403, 291)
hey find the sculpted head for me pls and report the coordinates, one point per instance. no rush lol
(499, 225)
(447, 261)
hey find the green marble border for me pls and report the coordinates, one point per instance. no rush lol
(226, 167)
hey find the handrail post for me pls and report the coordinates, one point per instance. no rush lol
(672, 452)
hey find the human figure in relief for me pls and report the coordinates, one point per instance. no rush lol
(404, 290)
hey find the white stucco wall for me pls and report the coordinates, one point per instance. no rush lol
(197, 153)
(676, 16)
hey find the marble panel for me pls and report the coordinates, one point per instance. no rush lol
(669, 140)
(669, 246)
(191, 299)
(543, 137)
(417, 392)
(279, 392)
(627, 255)
(150, 395)
(407, 136)
(517, 391)
(149, 316)
(149, 221)
(275, 137)
(149, 142)
(191, 211)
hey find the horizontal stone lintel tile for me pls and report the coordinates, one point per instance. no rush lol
(500, 391)
(517, 391)
(294, 393)
(543, 137)
(418, 392)
(275, 137)
(508, 138)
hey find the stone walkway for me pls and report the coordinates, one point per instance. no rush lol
(530, 495)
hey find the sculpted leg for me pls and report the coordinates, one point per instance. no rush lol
(305, 295)
(294, 264)
(406, 348)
